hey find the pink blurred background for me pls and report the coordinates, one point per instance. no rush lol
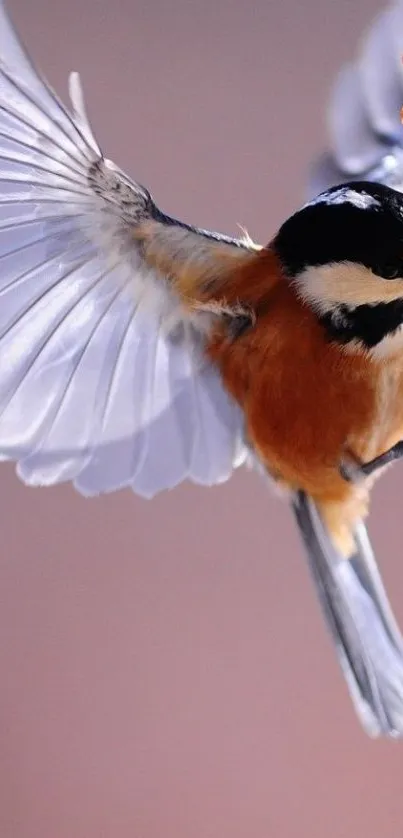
(165, 670)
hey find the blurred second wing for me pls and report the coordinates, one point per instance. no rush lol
(363, 114)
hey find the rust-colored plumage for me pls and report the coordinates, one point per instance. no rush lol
(308, 401)
(306, 333)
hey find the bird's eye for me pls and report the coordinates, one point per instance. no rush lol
(392, 271)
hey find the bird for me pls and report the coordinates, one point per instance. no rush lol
(139, 352)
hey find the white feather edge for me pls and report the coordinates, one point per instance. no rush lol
(92, 389)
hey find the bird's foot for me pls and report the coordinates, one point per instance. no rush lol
(352, 470)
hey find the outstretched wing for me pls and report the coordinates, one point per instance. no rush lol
(94, 388)
(363, 114)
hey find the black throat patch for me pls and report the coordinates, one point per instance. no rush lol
(369, 324)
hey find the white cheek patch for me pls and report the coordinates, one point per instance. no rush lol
(346, 195)
(345, 283)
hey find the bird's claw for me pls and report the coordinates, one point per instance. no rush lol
(352, 470)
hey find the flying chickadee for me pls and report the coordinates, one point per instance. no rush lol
(138, 351)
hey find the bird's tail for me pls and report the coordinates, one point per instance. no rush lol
(358, 614)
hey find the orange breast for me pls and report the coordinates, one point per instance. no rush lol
(304, 398)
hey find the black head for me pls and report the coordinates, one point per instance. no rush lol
(344, 251)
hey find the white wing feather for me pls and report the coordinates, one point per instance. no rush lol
(363, 115)
(92, 389)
